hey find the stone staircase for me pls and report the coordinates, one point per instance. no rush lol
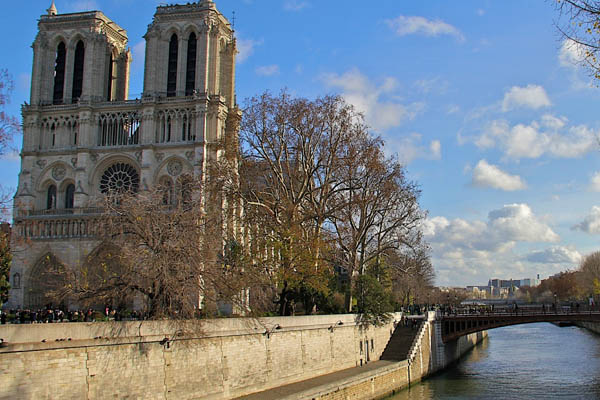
(401, 341)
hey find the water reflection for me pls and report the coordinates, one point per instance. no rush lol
(523, 361)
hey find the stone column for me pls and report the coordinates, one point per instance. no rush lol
(181, 65)
(69, 66)
(202, 61)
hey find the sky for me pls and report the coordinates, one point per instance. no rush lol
(481, 100)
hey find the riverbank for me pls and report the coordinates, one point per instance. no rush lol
(530, 361)
(428, 355)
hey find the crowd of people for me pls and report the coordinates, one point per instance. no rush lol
(53, 315)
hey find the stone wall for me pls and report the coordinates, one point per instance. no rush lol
(591, 326)
(427, 356)
(213, 359)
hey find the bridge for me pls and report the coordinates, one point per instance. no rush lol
(457, 325)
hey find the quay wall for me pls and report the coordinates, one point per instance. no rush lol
(428, 355)
(591, 326)
(212, 359)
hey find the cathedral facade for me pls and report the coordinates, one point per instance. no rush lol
(83, 137)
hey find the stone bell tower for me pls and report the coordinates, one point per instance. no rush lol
(79, 57)
(83, 137)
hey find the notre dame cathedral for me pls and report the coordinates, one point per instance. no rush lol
(83, 137)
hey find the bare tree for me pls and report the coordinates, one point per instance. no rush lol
(161, 250)
(9, 127)
(579, 25)
(412, 275)
(378, 209)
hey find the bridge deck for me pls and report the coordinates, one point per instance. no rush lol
(456, 325)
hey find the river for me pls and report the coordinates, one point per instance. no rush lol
(530, 361)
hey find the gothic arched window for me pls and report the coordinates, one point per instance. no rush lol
(119, 178)
(59, 73)
(172, 71)
(16, 282)
(190, 77)
(184, 187)
(51, 197)
(78, 71)
(70, 196)
(166, 187)
(112, 77)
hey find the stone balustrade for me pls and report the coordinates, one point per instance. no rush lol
(58, 224)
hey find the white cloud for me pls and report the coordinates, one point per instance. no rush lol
(530, 96)
(436, 149)
(595, 182)
(245, 48)
(435, 85)
(470, 252)
(555, 255)
(410, 147)
(571, 56)
(551, 137)
(509, 224)
(376, 102)
(409, 25)
(487, 175)
(571, 53)
(295, 5)
(11, 156)
(268, 70)
(554, 123)
(452, 109)
(591, 223)
(480, 12)
(517, 222)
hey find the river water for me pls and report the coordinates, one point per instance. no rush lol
(530, 361)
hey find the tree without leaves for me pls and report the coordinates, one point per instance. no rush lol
(579, 25)
(165, 254)
(412, 276)
(377, 211)
(5, 260)
(9, 127)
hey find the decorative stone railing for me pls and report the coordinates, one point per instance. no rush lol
(58, 224)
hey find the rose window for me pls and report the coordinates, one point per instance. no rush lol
(120, 178)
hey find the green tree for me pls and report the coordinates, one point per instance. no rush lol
(372, 300)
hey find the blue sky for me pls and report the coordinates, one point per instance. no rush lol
(480, 99)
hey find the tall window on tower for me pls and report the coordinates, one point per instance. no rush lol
(172, 72)
(70, 196)
(78, 71)
(51, 197)
(190, 77)
(59, 73)
(112, 77)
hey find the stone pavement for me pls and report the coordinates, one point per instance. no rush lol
(311, 388)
